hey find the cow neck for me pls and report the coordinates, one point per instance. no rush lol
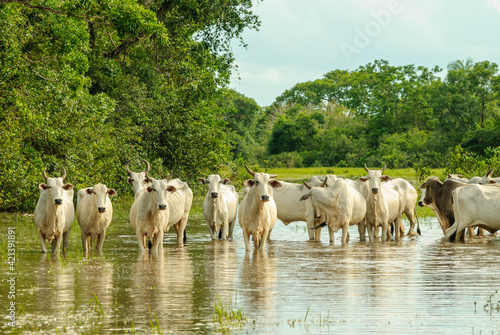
(56, 221)
(215, 207)
(256, 198)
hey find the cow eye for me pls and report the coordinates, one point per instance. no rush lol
(256, 182)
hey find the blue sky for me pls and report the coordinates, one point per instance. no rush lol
(302, 40)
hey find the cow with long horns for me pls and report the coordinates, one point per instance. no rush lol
(257, 214)
(54, 212)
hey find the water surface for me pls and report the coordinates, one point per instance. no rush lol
(418, 285)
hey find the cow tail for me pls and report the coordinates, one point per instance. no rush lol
(220, 233)
(150, 244)
(418, 222)
(184, 239)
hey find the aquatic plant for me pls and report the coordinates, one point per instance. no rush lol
(226, 314)
(491, 305)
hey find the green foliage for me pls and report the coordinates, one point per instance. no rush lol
(88, 85)
(471, 164)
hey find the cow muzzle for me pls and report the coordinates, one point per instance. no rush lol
(264, 198)
(214, 195)
(58, 202)
(421, 203)
(101, 209)
(374, 190)
(162, 207)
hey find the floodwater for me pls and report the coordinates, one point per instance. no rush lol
(420, 285)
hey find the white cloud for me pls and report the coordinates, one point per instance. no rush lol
(495, 4)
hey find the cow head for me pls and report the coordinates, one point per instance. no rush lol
(100, 193)
(214, 181)
(263, 184)
(159, 190)
(55, 187)
(137, 178)
(428, 188)
(374, 178)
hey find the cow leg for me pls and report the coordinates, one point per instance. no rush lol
(231, 228)
(264, 238)
(411, 217)
(181, 228)
(317, 234)
(84, 242)
(141, 240)
(66, 240)
(211, 230)
(480, 232)
(370, 229)
(225, 228)
(56, 244)
(42, 242)
(397, 228)
(385, 230)
(345, 233)
(331, 234)
(100, 242)
(246, 238)
(470, 231)
(157, 242)
(362, 230)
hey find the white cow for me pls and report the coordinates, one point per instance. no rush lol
(290, 208)
(220, 206)
(94, 212)
(179, 205)
(149, 214)
(340, 205)
(257, 214)
(410, 197)
(385, 204)
(54, 212)
(475, 205)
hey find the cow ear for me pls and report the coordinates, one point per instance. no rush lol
(225, 181)
(203, 181)
(43, 187)
(305, 196)
(171, 189)
(67, 187)
(112, 193)
(249, 183)
(130, 180)
(491, 181)
(275, 183)
(89, 190)
(386, 178)
(149, 189)
(363, 178)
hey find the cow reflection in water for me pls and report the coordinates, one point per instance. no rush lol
(56, 291)
(221, 266)
(95, 277)
(259, 279)
(160, 283)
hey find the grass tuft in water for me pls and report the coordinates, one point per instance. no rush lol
(227, 315)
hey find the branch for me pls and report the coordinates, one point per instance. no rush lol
(123, 47)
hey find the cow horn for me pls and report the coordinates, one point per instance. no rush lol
(383, 169)
(249, 171)
(147, 165)
(273, 175)
(64, 174)
(366, 168)
(44, 174)
(170, 176)
(324, 182)
(148, 178)
(127, 168)
(490, 173)
(307, 185)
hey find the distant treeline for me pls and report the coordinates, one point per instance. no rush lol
(402, 116)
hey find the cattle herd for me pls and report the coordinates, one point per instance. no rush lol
(374, 202)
